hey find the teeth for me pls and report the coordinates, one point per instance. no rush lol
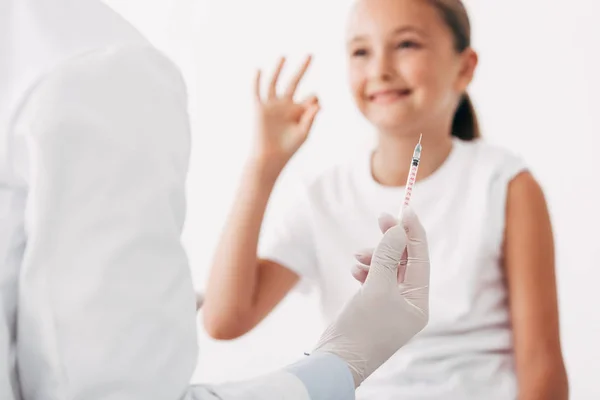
(387, 95)
(390, 95)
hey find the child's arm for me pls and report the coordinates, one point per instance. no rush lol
(242, 289)
(529, 265)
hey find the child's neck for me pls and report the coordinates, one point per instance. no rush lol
(390, 164)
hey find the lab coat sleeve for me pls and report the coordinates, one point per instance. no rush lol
(317, 377)
(325, 376)
(106, 303)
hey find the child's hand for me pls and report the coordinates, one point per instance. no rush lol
(282, 123)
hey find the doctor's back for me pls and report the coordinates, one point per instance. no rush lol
(84, 99)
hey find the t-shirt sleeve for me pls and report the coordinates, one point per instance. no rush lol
(287, 239)
(507, 168)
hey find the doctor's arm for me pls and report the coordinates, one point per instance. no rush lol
(529, 264)
(377, 321)
(106, 308)
(106, 303)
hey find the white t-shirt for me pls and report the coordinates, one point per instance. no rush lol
(466, 350)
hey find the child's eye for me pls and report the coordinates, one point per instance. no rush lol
(359, 53)
(407, 44)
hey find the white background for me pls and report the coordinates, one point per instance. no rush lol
(535, 92)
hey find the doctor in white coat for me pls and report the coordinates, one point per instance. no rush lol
(96, 297)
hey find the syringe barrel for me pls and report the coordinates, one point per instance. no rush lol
(410, 182)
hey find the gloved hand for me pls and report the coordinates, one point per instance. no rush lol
(199, 301)
(384, 315)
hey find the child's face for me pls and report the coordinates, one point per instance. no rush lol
(404, 69)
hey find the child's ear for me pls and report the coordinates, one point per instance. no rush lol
(469, 60)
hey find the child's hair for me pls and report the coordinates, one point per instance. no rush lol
(464, 124)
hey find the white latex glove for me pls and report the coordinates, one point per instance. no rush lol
(199, 301)
(384, 315)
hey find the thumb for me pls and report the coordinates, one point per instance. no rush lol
(415, 287)
(387, 257)
(417, 237)
(308, 117)
(417, 270)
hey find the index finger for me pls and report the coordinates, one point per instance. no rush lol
(291, 90)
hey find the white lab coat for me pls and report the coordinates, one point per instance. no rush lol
(96, 297)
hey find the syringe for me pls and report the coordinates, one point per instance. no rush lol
(412, 176)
